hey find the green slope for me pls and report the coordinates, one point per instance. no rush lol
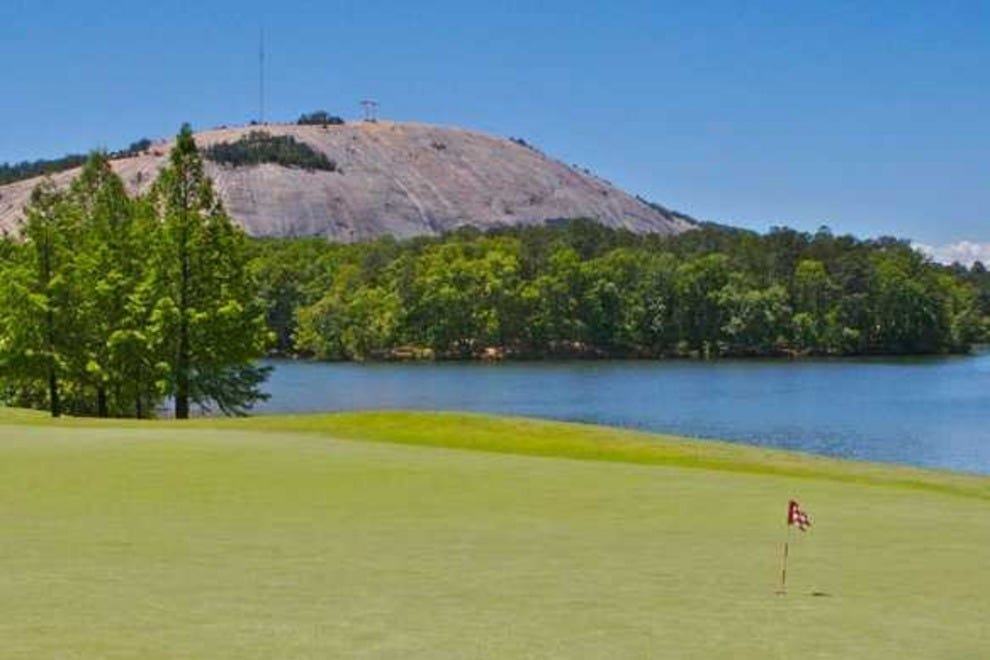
(272, 537)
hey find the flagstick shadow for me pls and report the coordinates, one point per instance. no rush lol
(813, 594)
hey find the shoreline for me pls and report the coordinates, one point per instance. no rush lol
(538, 437)
(975, 351)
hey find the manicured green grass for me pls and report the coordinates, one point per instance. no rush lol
(284, 537)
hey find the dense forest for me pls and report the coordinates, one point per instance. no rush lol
(577, 288)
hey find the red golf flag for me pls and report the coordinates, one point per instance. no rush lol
(795, 516)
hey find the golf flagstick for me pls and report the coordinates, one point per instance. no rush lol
(795, 517)
(783, 566)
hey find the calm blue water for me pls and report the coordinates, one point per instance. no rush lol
(932, 412)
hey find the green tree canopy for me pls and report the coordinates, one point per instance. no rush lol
(213, 329)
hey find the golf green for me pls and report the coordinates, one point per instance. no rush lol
(301, 538)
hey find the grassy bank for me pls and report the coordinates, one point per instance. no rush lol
(297, 537)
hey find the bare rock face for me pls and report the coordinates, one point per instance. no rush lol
(392, 178)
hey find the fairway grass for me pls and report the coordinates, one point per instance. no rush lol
(375, 535)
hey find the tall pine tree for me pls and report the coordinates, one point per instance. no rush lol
(212, 327)
(40, 323)
(118, 356)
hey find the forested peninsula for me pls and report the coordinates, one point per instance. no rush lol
(112, 305)
(579, 289)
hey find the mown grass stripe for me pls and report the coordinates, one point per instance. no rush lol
(533, 437)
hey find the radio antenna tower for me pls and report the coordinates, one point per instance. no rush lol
(370, 110)
(261, 76)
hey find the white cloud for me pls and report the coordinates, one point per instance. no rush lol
(964, 252)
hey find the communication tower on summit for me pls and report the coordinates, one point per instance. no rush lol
(370, 110)
(261, 76)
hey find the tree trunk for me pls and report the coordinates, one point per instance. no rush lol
(182, 359)
(101, 402)
(138, 385)
(53, 394)
(56, 403)
(46, 265)
(182, 375)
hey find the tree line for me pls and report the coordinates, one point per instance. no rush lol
(577, 288)
(110, 305)
(12, 172)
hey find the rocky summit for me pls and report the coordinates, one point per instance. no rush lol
(402, 179)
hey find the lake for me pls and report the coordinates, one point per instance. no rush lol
(930, 412)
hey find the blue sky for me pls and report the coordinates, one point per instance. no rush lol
(869, 117)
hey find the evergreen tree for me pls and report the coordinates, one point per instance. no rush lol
(212, 328)
(109, 258)
(38, 324)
